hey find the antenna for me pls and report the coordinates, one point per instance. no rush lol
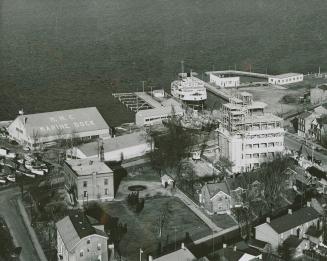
(182, 65)
(143, 85)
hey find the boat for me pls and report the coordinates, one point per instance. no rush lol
(190, 90)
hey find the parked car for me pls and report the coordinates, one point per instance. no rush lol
(3, 181)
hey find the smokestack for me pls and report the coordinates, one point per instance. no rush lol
(268, 219)
(150, 258)
(183, 246)
(290, 211)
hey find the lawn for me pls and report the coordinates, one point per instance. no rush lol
(223, 221)
(142, 228)
(143, 172)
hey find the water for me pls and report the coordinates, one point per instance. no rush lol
(58, 54)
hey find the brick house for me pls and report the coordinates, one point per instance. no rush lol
(91, 179)
(294, 223)
(77, 239)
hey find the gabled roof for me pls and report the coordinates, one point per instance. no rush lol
(314, 232)
(182, 254)
(65, 122)
(293, 241)
(215, 188)
(289, 221)
(85, 167)
(75, 227)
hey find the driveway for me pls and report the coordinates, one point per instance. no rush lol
(9, 210)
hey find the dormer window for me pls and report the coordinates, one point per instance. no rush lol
(99, 246)
(81, 253)
(88, 241)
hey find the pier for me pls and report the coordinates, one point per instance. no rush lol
(136, 101)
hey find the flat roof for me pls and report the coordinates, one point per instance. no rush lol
(85, 167)
(225, 75)
(148, 99)
(163, 110)
(120, 142)
(266, 117)
(63, 122)
(285, 75)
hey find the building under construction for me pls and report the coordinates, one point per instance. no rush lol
(248, 136)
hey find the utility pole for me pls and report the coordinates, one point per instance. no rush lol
(143, 85)
(182, 65)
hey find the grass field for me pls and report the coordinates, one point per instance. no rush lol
(142, 228)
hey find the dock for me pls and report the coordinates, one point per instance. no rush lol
(136, 101)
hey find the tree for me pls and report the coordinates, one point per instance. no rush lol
(162, 222)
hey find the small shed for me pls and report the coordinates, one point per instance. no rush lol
(166, 181)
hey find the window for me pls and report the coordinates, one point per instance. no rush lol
(99, 247)
(106, 181)
(81, 253)
(106, 191)
(85, 194)
(88, 241)
(84, 184)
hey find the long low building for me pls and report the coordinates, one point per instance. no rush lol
(286, 78)
(168, 109)
(35, 129)
(116, 149)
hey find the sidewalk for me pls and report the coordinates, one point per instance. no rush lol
(306, 141)
(31, 231)
(197, 210)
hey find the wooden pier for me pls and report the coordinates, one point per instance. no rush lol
(136, 101)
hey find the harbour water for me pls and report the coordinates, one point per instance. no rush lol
(57, 54)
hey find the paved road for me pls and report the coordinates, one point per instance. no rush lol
(9, 210)
(294, 143)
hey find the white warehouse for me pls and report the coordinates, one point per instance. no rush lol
(224, 80)
(115, 149)
(38, 128)
(286, 78)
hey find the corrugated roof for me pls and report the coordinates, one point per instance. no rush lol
(116, 143)
(164, 110)
(285, 75)
(289, 221)
(65, 122)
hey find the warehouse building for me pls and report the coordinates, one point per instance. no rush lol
(286, 78)
(168, 109)
(34, 129)
(116, 149)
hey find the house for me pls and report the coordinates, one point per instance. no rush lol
(215, 198)
(294, 223)
(90, 179)
(318, 94)
(115, 149)
(166, 181)
(314, 234)
(304, 121)
(33, 130)
(77, 239)
(286, 78)
(299, 179)
(296, 245)
(182, 254)
(236, 254)
(318, 128)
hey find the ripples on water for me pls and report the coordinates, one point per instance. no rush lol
(59, 54)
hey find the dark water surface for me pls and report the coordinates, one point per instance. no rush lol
(57, 54)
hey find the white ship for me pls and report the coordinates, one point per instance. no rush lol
(189, 89)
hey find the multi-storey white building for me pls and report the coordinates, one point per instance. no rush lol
(248, 136)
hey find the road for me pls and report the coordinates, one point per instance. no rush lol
(294, 143)
(9, 210)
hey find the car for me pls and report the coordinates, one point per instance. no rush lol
(3, 181)
(11, 178)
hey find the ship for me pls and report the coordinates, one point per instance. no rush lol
(190, 90)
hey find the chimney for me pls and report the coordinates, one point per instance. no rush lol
(267, 219)
(91, 162)
(235, 248)
(150, 258)
(290, 211)
(183, 246)
(308, 204)
(224, 245)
